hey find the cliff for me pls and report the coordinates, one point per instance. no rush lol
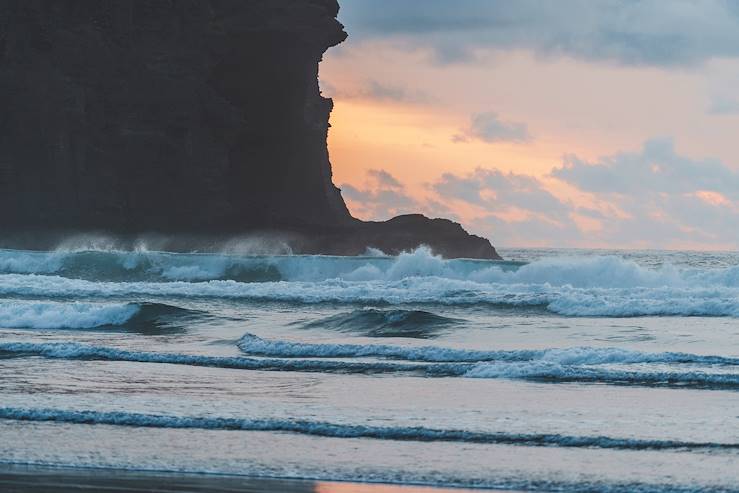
(180, 117)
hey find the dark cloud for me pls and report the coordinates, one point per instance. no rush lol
(382, 196)
(489, 127)
(724, 106)
(643, 32)
(389, 92)
(667, 197)
(379, 91)
(657, 168)
(497, 191)
(385, 179)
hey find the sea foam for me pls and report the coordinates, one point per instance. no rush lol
(573, 286)
(253, 345)
(334, 430)
(71, 315)
(537, 370)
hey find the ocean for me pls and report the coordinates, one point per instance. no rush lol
(554, 370)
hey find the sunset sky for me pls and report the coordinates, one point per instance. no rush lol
(573, 123)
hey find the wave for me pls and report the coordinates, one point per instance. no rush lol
(24, 314)
(571, 286)
(565, 300)
(144, 265)
(114, 265)
(372, 322)
(76, 351)
(324, 429)
(55, 315)
(543, 371)
(677, 300)
(253, 345)
(607, 271)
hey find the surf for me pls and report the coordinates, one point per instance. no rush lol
(534, 370)
(335, 430)
(29, 314)
(253, 345)
(594, 286)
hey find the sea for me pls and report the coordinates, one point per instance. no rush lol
(552, 370)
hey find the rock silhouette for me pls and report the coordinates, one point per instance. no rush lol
(195, 119)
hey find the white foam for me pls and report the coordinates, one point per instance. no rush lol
(557, 372)
(253, 345)
(340, 430)
(538, 369)
(573, 286)
(72, 315)
(77, 351)
(565, 300)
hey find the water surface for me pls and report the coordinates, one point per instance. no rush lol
(555, 370)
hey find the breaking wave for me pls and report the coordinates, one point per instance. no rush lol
(253, 345)
(536, 370)
(76, 351)
(324, 429)
(579, 272)
(144, 265)
(372, 322)
(564, 300)
(571, 286)
(18, 314)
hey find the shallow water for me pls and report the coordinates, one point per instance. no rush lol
(554, 370)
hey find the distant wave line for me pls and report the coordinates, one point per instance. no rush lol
(253, 345)
(541, 371)
(332, 430)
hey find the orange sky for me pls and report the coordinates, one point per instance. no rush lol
(397, 111)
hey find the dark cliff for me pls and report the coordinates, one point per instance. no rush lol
(190, 117)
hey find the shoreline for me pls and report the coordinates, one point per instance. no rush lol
(23, 478)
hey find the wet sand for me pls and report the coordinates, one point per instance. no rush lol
(27, 479)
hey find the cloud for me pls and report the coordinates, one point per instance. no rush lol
(382, 197)
(385, 179)
(657, 168)
(538, 216)
(650, 198)
(724, 106)
(498, 191)
(388, 92)
(667, 198)
(644, 32)
(488, 127)
(379, 91)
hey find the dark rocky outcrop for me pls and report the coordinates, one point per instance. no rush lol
(400, 234)
(181, 117)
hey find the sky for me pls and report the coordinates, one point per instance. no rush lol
(568, 123)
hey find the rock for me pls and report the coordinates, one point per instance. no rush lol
(185, 118)
(403, 233)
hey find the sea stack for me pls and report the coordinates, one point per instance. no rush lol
(195, 120)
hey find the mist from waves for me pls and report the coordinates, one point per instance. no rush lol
(569, 285)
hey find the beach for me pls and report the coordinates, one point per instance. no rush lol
(28, 479)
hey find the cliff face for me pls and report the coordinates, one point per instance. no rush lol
(198, 117)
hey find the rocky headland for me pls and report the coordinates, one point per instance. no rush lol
(198, 119)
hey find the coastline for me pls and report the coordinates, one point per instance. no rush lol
(16, 478)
